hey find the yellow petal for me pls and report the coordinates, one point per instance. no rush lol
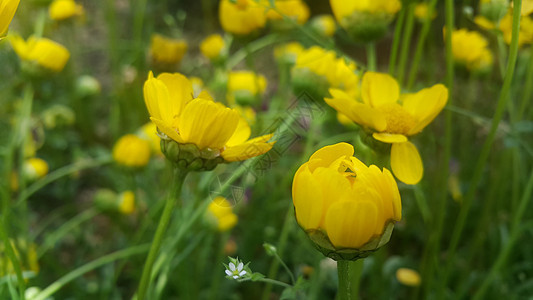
(331, 153)
(379, 89)
(406, 163)
(351, 224)
(7, 11)
(180, 92)
(425, 105)
(307, 199)
(334, 186)
(360, 113)
(251, 148)
(389, 138)
(241, 134)
(166, 129)
(207, 124)
(155, 92)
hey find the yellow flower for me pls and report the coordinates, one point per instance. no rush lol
(527, 7)
(242, 17)
(167, 51)
(35, 168)
(525, 35)
(294, 9)
(46, 53)
(288, 52)
(365, 20)
(148, 132)
(422, 12)
(470, 49)
(131, 151)
(343, 204)
(215, 131)
(324, 24)
(126, 204)
(392, 118)
(484, 23)
(212, 46)
(244, 86)
(221, 214)
(7, 12)
(408, 277)
(64, 9)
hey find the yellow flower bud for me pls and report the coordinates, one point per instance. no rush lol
(212, 46)
(35, 168)
(408, 277)
(131, 151)
(493, 10)
(346, 208)
(296, 10)
(241, 17)
(220, 213)
(422, 12)
(126, 204)
(7, 12)
(64, 9)
(41, 51)
(167, 51)
(244, 86)
(324, 24)
(288, 53)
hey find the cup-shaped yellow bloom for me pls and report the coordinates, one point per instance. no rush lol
(131, 151)
(241, 17)
(167, 51)
(198, 133)
(7, 12)
(324, 24)
(393, 118)
(525, 35)
(35, 168)
(365, 20)
(471, 50)
(220, 214)
(345, 207)
(244, 87)
(41, 51)
(212, 46)
(64, 9)
(294, 9)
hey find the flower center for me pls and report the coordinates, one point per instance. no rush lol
(398, 119)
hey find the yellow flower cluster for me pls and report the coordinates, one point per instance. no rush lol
(42, 51)
(392, 117)
(64, 9)
(7, 12)
(343, 204)
(470, 49)
(167, 51)
(220, 214)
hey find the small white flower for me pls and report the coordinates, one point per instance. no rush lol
(236, 272)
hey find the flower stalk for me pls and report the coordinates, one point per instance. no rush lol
(349, 277)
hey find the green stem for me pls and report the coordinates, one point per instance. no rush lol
(252, 47)
(371, 56)
(179, 178)
(349, 277)
(13, 258)
(420, 45)
(396, 41)
(485, 151)
(528, 87)
(406, 42)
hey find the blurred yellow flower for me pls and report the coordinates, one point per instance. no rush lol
(392, 118)
(244, 86)
(484, 23)
(214, 130)
(35, 168)
(288, 52)
(64, 9)
(148, 132)
(46, 53)
(7, 12)
(294, 9)
(247, 113)
(242, 17)
(131, 151)
(220, 213)
(126, 204)
(324, 24)
(470, 49)
(212, 46)
(525, 35)
(343, 204)
(408, 277)
(422, 12)
(167, 51)
(527, 7)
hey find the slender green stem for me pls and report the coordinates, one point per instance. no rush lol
(420, 45)
(252, 47)
(349, 277)
(55, 286)
(371, 56)
(485, 151)
(406, 42)
(13, 258)
(179, 178)
(528, 88)
(396, 41)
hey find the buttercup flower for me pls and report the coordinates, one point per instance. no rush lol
(41, 51)
(198, 133)
(392, 118)
(220, 214)
(244, 86)
(470, 49)
(408, 277)
(7, 12)
(212, 46)
(346, 208)
(294, 9)
(324, 24)
(64, 9)
(167, 51)
(241, 17)
(365, 20)
(131, 151)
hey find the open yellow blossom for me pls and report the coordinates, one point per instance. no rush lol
(525, 35)
(244, 86)
(64, 9)
(408, 277)
(242, 17)
(344, 205)
(294, 9)
(324, 24)
(131, 151)
(167, 51)
(45, 52)
(392, 118)
(470, 49)
(220, 213)
(212, 46)
(214, 130)
(7, 12)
